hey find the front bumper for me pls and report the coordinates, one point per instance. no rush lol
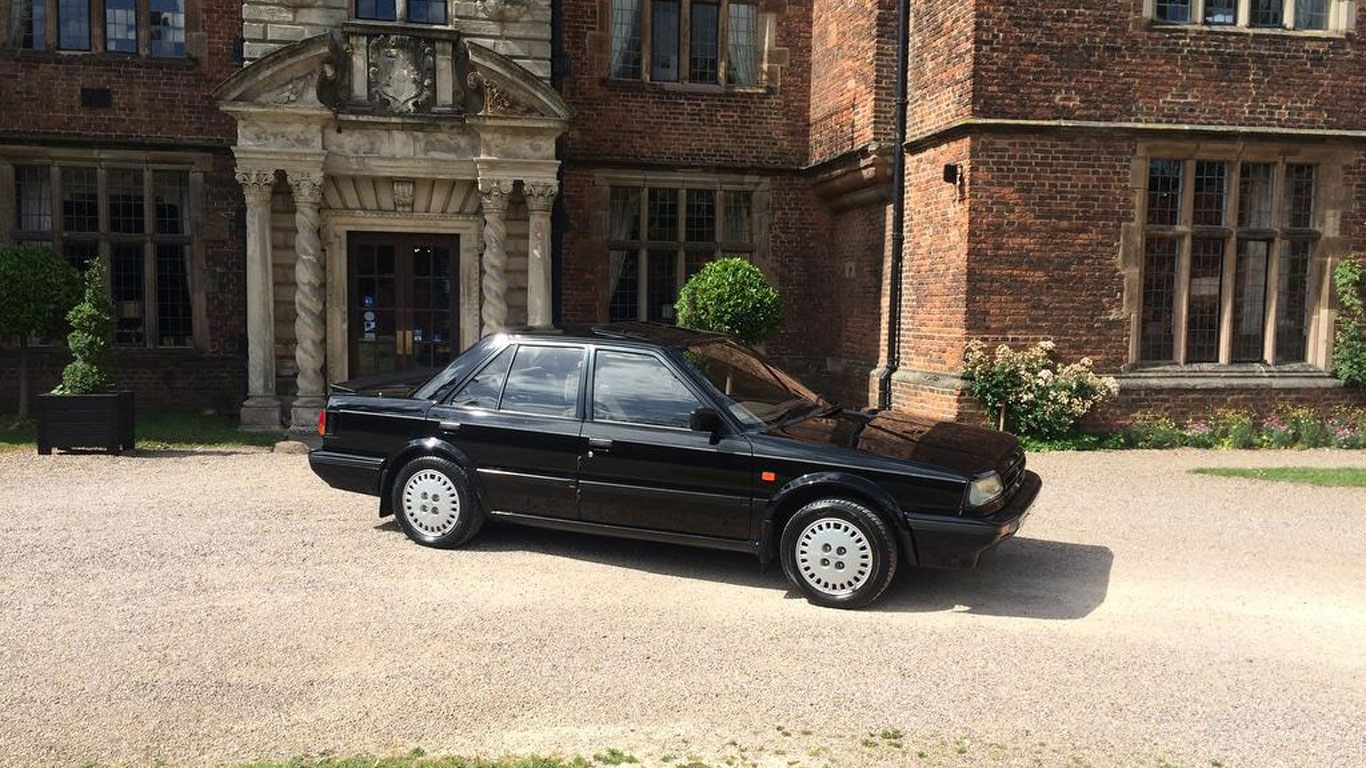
(957, 542)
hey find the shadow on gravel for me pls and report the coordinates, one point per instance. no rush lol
(1029, 578)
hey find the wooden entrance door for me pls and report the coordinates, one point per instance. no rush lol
(402, 301)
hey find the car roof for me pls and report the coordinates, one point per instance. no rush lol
(657, 334)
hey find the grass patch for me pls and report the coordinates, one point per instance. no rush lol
(160, 431)
(1336, 477)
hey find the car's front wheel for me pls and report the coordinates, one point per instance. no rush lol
(434, 503)
(839, 553)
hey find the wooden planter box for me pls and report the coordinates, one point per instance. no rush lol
(85, 421)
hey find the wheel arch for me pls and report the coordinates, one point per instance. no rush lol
(420, 448)
(824, 485)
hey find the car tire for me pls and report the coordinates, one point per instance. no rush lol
(434, 503)
(839, 553)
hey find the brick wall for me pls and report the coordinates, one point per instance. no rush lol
(853, 70)
(1183, 405)
(157, 104)
(651, 124)
(1104, 61)
(169, 380)
(155, 101)
(1044, 242)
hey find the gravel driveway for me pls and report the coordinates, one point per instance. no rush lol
(202, 608)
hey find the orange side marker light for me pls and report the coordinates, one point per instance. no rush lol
(768, 477)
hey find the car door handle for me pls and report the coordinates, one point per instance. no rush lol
(599, 443)
(450, 426)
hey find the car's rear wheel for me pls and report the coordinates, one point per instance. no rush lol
(434, 503)
(839, 553)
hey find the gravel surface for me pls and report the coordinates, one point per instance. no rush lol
(205, 608)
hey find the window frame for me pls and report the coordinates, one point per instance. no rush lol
(1185, 234)
(515, 349)
(97, 40)
(703, 399)
(402, 16)
(58, 237)
(723, 80)
(681, 247)
(1340, 18)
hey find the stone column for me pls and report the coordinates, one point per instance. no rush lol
(262, 408)
(310, 329)
(494, 314)
(540, 198)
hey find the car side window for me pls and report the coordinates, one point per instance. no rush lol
(544, 380)
(483, 390)
(639, 389)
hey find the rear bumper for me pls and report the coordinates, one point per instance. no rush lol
(347, 472)
(957, 542)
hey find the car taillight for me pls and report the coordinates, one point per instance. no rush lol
(322, 422)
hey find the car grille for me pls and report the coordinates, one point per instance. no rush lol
(1012, 470)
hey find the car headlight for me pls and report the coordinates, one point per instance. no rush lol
(985, 489)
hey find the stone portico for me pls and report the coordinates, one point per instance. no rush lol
(382, 129)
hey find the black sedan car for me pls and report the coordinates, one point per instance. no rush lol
(652, 432)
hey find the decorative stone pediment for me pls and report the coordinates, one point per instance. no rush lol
(368, 70)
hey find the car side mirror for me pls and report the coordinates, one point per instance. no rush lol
(705, 419)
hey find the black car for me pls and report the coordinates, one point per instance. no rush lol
(653, 432)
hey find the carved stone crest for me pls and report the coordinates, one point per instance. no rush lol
(401, 73)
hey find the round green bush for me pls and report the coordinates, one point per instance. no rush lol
(733, 297)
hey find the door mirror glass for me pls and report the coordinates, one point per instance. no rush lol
(639, 389)
(705, 420)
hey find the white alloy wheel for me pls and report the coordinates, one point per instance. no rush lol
(834, 557)
(431, 504)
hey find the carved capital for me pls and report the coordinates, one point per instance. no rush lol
(494, 194)
(257, 185)
(307, 187)
(540, 195)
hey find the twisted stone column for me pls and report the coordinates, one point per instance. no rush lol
(261, 409)
(494, 312)
(540, 199)
(309, 321)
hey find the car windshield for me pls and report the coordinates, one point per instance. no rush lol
(755, 391)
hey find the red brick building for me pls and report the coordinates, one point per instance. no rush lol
(290, 193)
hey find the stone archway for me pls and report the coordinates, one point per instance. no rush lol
(405, 116)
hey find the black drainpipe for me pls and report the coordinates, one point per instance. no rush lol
(884, 384)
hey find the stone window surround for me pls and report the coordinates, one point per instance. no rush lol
(772, 58)
(1333, 199)
(757, 186)
(195, 39)
(195, 164)
(1341, 19)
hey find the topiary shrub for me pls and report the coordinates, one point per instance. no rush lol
(37, 287)
(92, 324)
(733, 297)
(1349, 338)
